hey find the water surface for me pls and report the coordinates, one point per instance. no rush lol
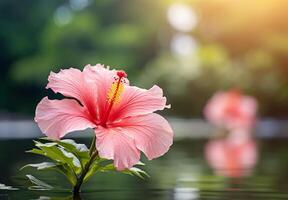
(181, 174)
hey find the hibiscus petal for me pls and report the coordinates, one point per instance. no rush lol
(103, 78)
(152, 133)
(113, 144)
(56, 118)
(136, 101)
(72, 83)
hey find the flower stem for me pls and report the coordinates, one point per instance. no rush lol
(93, 154)
(92, 146)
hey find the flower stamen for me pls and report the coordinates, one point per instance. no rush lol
(114, 94)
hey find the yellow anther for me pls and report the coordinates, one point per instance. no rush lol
(115, 92)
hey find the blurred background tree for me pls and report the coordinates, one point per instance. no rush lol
(191, 48)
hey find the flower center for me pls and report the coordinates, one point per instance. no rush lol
(114, 94)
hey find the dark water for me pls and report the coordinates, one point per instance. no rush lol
(181, 174)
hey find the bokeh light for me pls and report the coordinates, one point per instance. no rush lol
(181, 17)
(63, 15)
(183, 45)
(79, 4)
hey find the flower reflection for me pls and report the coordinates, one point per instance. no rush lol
(231, 159)
(233, 153)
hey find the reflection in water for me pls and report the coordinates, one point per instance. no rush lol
(184, 167)
(231, 159)
(44, 198)
(186, 193)
(69, 197)
(6, 187)
(234, 153)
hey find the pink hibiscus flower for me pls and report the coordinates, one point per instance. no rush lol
(121, 115)
(231, 110)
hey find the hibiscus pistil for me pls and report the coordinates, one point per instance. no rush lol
(114, 94)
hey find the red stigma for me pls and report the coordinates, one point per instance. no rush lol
(121, 74)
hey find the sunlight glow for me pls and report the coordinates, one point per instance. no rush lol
(183, 45)
(181, 17)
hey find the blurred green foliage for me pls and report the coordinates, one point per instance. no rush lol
(239, 44)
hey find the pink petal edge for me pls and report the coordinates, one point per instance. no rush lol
(111, 143)
(152, 133)
(72, 83)
(56, 118)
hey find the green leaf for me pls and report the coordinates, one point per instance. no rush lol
(38, 184)
(134, 171)
(59, 154)
(93, 169)
(62, 168)
(70, 159)
(140, 163)
(37, 151)
(79, 150)
(41, 166)
(65, 161)
(98, 166)
(95, 166)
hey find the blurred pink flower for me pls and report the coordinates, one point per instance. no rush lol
(231, 110)
(121, 115)
(231, 159)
